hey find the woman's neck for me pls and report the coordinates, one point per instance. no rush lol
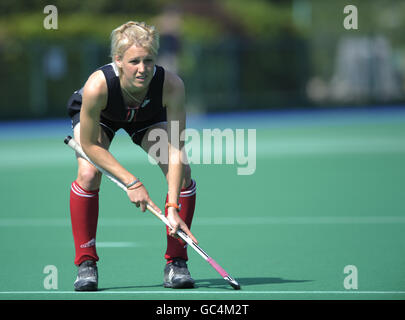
(132, 93)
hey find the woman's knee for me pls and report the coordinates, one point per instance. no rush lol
(88, 177)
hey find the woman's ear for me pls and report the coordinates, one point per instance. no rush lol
(118, 61)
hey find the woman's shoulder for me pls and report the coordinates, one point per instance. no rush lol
(95, 88)
(96, 83)
(173, 91)
(173, 83)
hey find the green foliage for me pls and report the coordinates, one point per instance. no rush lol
(106, 7)
(96, 19)
(258, 18)
(29, 26)
(195, 29)
(261, 18)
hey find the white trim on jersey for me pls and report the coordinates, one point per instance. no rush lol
(114, 66)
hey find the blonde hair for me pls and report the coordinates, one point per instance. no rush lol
(133, 33)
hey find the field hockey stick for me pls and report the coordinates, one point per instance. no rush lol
(75, 146)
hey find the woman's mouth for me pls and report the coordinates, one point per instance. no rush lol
(141, 78)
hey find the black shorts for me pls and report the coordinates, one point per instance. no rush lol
(136, 130)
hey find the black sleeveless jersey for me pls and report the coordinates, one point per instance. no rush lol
(116, 110)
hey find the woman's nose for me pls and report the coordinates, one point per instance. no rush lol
(141, 67)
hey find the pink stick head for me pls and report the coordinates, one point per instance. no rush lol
(217, 267)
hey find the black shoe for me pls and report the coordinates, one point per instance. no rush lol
(87, 277)
(177, 276)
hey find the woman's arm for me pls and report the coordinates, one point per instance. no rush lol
(94, 101)
(174, 100)
(176, 123)
(95, 95)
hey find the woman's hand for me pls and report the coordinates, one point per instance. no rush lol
(140, 197)
(177, 223)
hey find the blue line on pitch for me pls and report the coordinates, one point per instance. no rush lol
(50, 128)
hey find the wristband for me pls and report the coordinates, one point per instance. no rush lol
(177, 206)
(129, 185)
(136, 187)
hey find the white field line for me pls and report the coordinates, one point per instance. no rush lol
(224, 292)
(218, 221)
(117, 244)
(43, 155)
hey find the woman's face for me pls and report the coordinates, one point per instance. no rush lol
(137, 66)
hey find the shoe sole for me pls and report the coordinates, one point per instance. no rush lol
(180, 285)
(86, 286)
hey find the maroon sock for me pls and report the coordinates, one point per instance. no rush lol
(84, 216)
(176, 247)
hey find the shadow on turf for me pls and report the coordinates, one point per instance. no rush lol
(220, 283)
